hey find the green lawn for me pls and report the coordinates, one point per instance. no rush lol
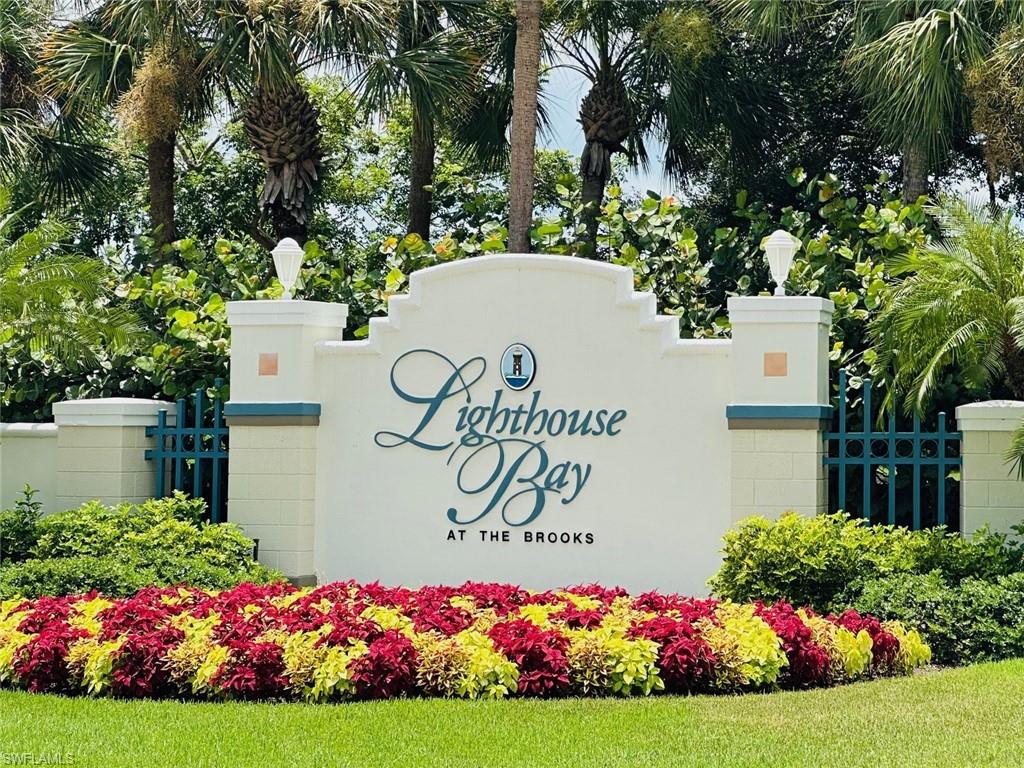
(953, 718)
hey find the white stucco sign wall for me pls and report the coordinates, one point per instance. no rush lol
(515, 418)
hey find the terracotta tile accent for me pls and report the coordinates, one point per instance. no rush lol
(268, 364)
(776, 364)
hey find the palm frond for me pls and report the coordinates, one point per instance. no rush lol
(913, 75)
(1015, 452)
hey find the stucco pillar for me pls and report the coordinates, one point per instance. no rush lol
(273, 415)
(990, 493)
(101, 445)
(781, 404)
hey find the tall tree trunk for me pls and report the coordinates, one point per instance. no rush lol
(160, 161)
(607, 122)
(421, 175)
(915, 171)
(523, 132)
(594, 181)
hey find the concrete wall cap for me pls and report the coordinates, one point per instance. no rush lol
(44, 430)
(110, 412)
(281, 312)
(990, 415)
(780, 309)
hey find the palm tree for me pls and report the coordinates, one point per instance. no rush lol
(656, 67)
(909, 59)
(262, 51)
(961, 305)
(432, 65)
(41, 139)
(55, 304)
(143, 58)
(524, 123)
(996, 88)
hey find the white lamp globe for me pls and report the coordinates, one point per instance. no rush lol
(288, 257)
(780, 248)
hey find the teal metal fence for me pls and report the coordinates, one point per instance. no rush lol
(192, 453)
(900, 477)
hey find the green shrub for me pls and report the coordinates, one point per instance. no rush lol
(96, 529)
(974, 620)
(143, 533)
(19, 527)
(119, 577)
(118, 550)
(72, 575)
(812, 560)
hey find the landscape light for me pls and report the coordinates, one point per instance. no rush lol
(287, 259)
(780, 249)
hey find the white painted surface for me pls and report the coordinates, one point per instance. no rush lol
(657, 498)
(28, 454)
(288, 329)
(110, 412)
(796, 325)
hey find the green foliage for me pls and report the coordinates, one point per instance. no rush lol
(975, 620)
(53, 305)
(118, 550)
(118, 577)
(145, 532)
(19, 527)
(814, 560)
(959, 304)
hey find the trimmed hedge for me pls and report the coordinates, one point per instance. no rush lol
(348, 641)
(825, 560)
(121, 549)
(975, 620)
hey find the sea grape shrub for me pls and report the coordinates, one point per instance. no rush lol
(347, 641)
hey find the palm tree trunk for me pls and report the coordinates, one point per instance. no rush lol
(594, 175)
(160, 160)
(421, 174)
(523, 133)
(915, 171)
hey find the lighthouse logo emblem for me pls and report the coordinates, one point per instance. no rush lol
(518, 367)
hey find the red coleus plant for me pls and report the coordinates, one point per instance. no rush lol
(388, 669)
(41, 664)
(539, 654)
(252, 671)
(809, 663)
(685, 660)
(139, 667)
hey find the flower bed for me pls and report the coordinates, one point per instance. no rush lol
(349, 641)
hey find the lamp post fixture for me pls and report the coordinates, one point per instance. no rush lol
(288, 257)
(780, 249)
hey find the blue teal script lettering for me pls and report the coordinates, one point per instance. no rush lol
(499, 450)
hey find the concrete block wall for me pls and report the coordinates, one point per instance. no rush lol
(990, 492)
(772, 468)
(28, 454)
(780, 379)
(272, 471)
(101, 448)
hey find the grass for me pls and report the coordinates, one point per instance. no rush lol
(958, 717)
